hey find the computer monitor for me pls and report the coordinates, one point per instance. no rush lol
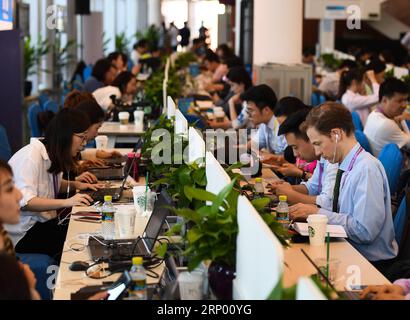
(181, 124)
(6, 14)
(216, 176)
(308, 290)
(196, 145)
(171, 108)
(259, 256)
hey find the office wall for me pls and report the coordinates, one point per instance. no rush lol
(11, 100)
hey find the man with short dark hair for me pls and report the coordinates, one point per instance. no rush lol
(361, 196)
(261, 102)
(103, 74)
(385, 125)
(318, 189)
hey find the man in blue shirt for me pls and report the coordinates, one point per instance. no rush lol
(361, 197)
(104, 73)
(318, 189)
(261, 102)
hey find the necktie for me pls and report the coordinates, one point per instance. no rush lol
(336, 190)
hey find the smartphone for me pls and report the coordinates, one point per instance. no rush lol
(89, 219)
(357, 288)
(117, 289)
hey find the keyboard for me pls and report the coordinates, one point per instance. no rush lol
(99, 195)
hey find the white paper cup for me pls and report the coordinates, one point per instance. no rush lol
(101, 142)
(191, 285)
(125, 221)
(139, 195)
(139, 120)
(317, 224)
(124, 118)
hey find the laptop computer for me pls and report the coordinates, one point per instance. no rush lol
(115, 193)
(122, 250)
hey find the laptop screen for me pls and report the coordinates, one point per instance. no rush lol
(157, 219)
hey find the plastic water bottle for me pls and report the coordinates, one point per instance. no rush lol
(138, 289)
(259, 189)
(107, 221)
(282, 210)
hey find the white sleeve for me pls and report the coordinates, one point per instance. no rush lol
(359, 101)
(26, 176)
(394, 135)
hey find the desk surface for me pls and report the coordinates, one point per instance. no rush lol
(68, 281)
(116, 129)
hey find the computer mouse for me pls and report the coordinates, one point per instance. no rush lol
(79, 266)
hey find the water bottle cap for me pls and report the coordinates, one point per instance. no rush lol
(258, 180)
(283, 198)
(108, 198)
(137, 261)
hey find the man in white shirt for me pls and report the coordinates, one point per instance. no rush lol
(386, 124)
(261, 102)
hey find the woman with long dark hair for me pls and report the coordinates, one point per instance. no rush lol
(38, 169)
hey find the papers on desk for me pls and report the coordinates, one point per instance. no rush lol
(334, 230)
(205, 105)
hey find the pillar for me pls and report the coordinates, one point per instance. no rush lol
(278, 29)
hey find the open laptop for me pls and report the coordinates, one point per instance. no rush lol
(122, 250)
(115, 193)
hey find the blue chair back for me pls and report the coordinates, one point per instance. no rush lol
(400, 220)
(33, 112)
(5, 150)
(87, 72)
(195, 120)
(357, 121)
(39, 264)
(392, 161)
(51, 106)
(362, 139)
(42, 99)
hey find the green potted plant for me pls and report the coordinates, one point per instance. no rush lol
(151, 35)
(32, 57)
(122, 43)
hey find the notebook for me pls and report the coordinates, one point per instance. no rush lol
(335, 231)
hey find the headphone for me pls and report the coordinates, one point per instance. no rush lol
(337, 137)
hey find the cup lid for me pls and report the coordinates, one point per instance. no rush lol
(317, 218)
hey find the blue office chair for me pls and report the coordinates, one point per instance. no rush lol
(5, 150)
(33, 112)
(317, 99)
(52, 106)
(400, 220)
(362, 139)
(42, 99)
(87, 72)
(39, 264)
(357, 121)
(392, 161)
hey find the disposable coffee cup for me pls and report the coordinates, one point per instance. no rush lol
(144, 201)
(191, 285)
(139, 120)
(125, 221)
(101, 142)
(124, 118)
(317, 225)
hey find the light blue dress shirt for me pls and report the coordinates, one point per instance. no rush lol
(324, 197)
(365, 208)
(269, 138)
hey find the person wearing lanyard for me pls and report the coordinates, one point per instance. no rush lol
(261, 102)
(361, 197)
(386, 124)
(319, 188)
(38, 169)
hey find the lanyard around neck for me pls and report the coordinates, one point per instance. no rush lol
(351, 165)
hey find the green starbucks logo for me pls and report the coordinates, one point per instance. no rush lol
(311, 232)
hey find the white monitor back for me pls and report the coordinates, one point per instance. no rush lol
(196, 145)
(259, 255)
(308, 290)
(217, 178)
(171, 108)
(181, 124)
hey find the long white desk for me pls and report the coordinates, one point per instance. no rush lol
(118, 133)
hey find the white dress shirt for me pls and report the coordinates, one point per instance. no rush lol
(365, 207)
(102, 96)
(322, 183)
(30, 165)
(381, 131)
(360, 103)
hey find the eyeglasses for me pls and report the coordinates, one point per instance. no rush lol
(82, 136)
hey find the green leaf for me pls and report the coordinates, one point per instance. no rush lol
(221, 197)
(175, 230)
(188, 214)
(198, 194)
(261, 203)
(161, 250)
(194, 235)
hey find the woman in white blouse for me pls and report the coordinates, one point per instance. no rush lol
(352, 92)
(38, 170)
